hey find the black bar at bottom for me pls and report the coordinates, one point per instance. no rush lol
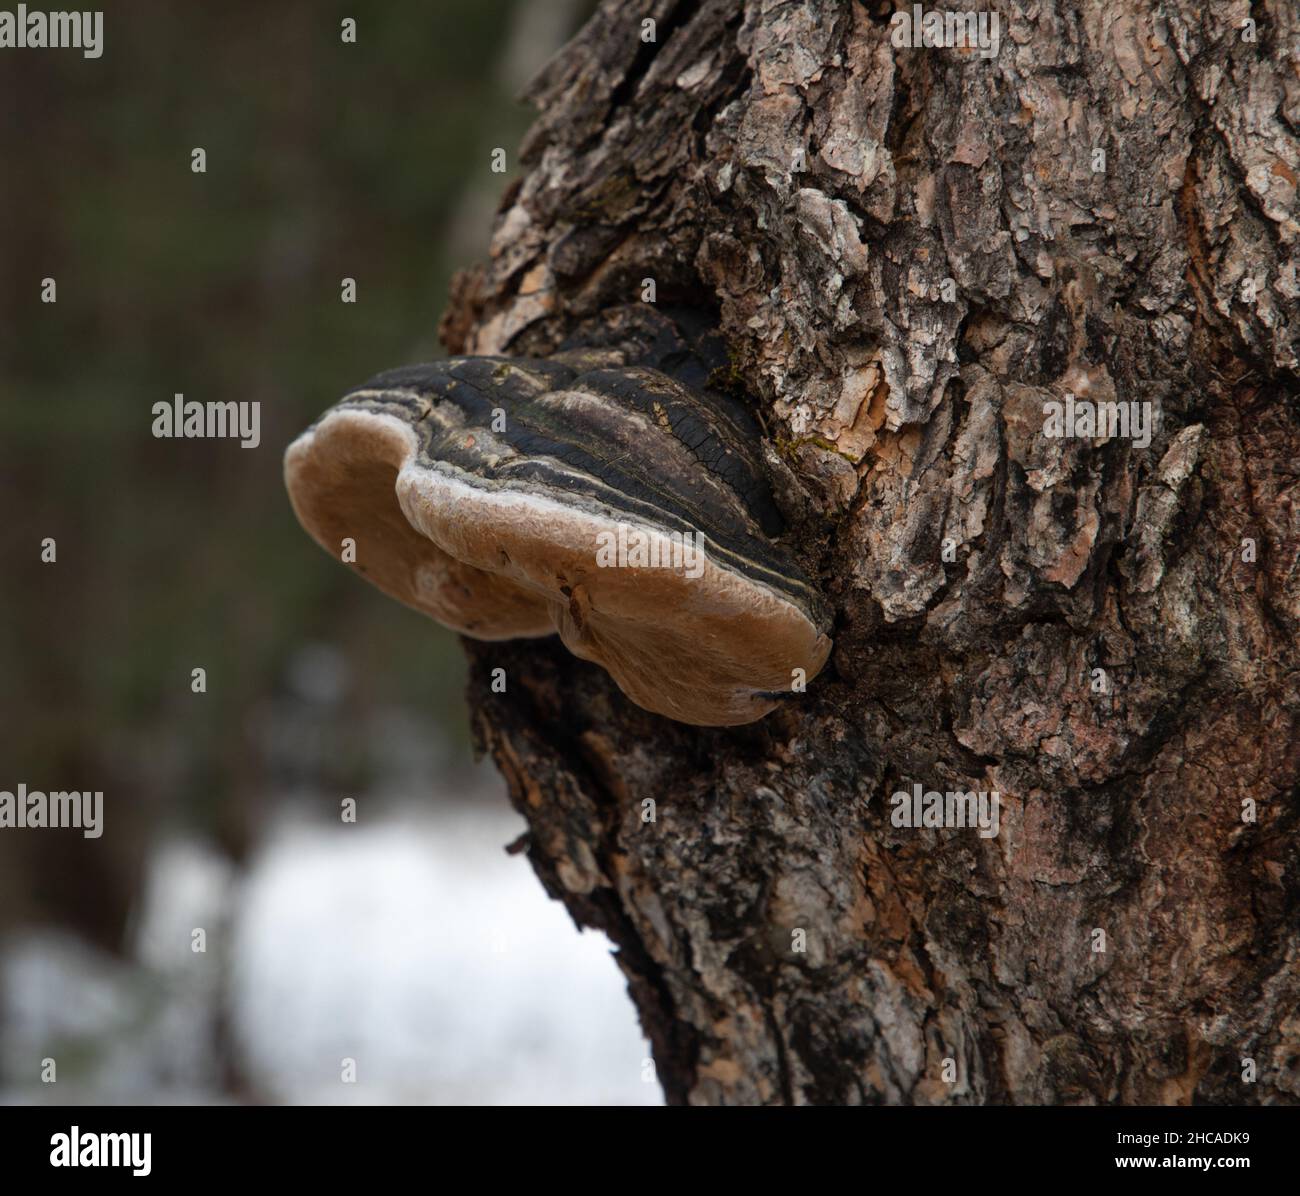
(335, 1144)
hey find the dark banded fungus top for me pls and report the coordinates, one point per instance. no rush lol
(629, 513)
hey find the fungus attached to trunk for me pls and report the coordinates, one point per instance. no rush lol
(510, 497)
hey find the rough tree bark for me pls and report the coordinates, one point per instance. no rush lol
(900, 419)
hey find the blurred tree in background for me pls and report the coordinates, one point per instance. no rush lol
(324, 161)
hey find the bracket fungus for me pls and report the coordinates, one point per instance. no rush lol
(612, 504)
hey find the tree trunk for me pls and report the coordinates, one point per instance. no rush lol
(911, 253)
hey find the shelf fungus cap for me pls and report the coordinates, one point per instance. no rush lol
(511, 497)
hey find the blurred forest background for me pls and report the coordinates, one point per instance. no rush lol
(324, 161)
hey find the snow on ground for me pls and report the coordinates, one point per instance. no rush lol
(419, 949)
(408, 942)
